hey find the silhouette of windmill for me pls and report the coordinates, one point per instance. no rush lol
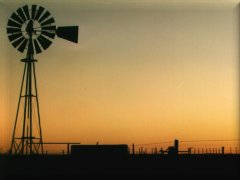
(32, 30)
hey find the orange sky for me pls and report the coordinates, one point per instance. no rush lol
(138, 75)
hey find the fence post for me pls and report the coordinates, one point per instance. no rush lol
(68, 149)
(133, 149)
(176, 145)
(222, 150)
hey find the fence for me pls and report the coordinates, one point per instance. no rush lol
(190, 150)
(188, 147)
(185, 147)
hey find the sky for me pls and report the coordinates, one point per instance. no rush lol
(141, 73)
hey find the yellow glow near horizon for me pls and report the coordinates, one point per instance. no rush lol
(136, 76)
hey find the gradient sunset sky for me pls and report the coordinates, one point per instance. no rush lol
(141, 73)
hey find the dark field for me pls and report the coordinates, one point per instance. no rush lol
(137, 166)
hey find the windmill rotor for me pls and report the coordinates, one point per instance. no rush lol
(32, 28)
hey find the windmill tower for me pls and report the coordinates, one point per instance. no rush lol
(31, 31)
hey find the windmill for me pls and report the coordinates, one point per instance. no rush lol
(31, 29)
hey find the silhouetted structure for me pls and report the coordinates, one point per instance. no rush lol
(173, 150)
(32, 29)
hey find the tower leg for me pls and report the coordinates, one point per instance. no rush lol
(38, 112)
(16, 119)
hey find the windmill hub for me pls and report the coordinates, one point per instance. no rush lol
(31, 28)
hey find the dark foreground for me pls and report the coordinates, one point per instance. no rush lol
(138, 166)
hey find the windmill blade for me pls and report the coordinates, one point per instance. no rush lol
(49, 28)
(34, 8)
(39, 12)
(48, 34)
(13, 30)
(17, 42)
(44, 16)
(13, 24)
(37, 46)
(25, 9)
(49, 21)
(69, 33)
(21, 14)
(14, 36)
(45, 43)
(23, 45)
(16, 18)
